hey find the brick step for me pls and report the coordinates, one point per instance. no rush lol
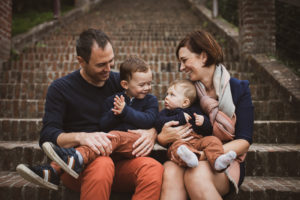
(14, 187)
(276, 132)
(268, 188)
(267, 110)
(13, 129)
(39, 90)
(259, 162)
(34, 108)
(22, 108)
(167, 74)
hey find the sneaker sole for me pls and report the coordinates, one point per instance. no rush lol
(47, 147)
(30, 176)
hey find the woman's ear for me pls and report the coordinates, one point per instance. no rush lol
(186, 103)
(124, 84)
(203, 57)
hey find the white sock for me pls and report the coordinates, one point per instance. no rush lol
(187, 156)
(224, 160)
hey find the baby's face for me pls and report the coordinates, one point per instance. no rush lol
(140, 84)
(174, 98)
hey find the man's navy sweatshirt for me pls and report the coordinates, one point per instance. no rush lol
(74, 105)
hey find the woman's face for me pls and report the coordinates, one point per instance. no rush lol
(192, 64)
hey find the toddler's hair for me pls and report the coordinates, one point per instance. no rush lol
(131, 65)
(187, 88)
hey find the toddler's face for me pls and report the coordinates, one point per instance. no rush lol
(174, 98)
(140, 84)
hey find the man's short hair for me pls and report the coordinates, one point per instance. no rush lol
(86, 41)
(131, 65)
(187, 88)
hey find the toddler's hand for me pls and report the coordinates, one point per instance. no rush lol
(199, 119)
(119, 104)
(187, 117)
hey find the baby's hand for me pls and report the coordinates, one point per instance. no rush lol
(199, 119)
(187, 117)
(119, 104)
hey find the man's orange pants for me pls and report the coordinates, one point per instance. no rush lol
(142, 176)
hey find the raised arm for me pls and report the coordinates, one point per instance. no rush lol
(108, 119)
(141, 119)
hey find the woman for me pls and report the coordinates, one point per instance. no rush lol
(200, 57)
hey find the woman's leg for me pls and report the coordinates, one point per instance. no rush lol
(173, 185)
(203, 183)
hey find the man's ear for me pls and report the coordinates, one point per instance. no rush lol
(186, 103)
(81, 61)
(124, 84)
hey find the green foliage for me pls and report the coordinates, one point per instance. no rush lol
(27, 14)
(22, 22)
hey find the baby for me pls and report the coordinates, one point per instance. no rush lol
(180, 106)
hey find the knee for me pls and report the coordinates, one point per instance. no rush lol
(171, 170)
(101, 170)
(213, 139)
(201, 177)
(151, 171)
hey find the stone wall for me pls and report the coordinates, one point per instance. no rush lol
(5, 30)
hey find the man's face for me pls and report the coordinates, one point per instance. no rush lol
(139, 85)
(101, 61)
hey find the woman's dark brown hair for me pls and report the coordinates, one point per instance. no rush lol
(199, 41)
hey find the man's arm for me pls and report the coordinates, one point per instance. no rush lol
(52, 130)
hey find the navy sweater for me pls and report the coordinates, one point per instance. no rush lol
(137, 114)
(74, 105)
(167, 115)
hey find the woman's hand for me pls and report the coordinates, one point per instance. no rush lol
(169, 133)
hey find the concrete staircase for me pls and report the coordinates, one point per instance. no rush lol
(150, 29)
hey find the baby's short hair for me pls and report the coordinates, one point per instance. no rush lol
(187, 88)
(131, 65)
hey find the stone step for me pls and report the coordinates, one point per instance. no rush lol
(34, 108)
(277, 132)
(268, 188)
(13, 129)
(14, 187)
(22, 108)
(259, 162)
(39, 90)
(267, 110)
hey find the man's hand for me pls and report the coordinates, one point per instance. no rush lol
(199, 119)
(119, 104)
(144, 145)
(99, 142)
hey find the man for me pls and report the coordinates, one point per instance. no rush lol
(72, 113)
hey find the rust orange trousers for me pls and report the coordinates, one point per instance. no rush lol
(210, 145)
(141, 176)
